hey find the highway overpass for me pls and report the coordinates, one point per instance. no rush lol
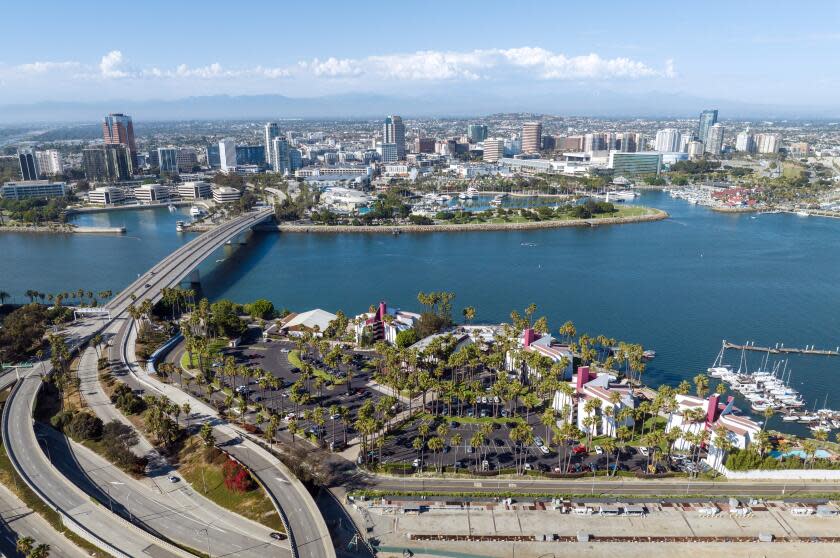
(80, 514)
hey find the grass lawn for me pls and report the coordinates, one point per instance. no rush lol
(623, 211)
(216, 346)
(201, 473)
(294, 360)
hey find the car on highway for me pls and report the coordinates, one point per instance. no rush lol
(278, 536)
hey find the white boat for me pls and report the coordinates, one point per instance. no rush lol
(802, 213)
(621, 196)
(196, 211)
(497, 201)
(179, 226)
(470, 194)
(171, 208)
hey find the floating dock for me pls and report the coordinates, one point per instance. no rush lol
(781, 349)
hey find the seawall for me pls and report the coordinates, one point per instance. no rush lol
(657, 215)
(64, 229)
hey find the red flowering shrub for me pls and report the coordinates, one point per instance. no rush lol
(237, 478)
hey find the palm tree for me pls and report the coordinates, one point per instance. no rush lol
(40, 551)
(24, 544)
(469, 314)
(4, 296)
(435, 446)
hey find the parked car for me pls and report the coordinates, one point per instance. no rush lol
(416, 463)
(544, 449)
(173, 479)
(599, 450)
(644, 451)
(579, 449)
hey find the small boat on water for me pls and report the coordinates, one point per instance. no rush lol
(171, 208)
(470, 194)
(179, 226)
(497, 201)
(802, 213)
(649, 354)
(196, 211)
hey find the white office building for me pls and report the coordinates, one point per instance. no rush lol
(667, 140)
(106, 195)
(151, 193)
(767, 143)
(49, 162)
(227, 155)
(225, 194)
(695, 149)
(33, 189)
(195, 190)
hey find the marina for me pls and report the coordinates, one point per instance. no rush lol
(781, 349)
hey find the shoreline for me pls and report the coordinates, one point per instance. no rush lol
(656, 215)
(62, 229)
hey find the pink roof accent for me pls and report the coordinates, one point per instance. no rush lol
(712, 409)
(528, 337)
(582, 377)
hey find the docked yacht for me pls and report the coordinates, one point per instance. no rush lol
(196, 211)
(470, 194)
(179, 226)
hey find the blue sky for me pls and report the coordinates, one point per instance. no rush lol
(762, 52)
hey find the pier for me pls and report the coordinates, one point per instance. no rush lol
(781, 349)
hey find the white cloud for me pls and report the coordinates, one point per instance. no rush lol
(110, 64)
(46, 67)
(334, 67)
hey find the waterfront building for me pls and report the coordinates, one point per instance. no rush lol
(226, 194)
(476, 133)
(151, 193)
(531, 137)
(168, 160)
(187, 160)
(695, 415)
(629, 164)
(667, 140)
(117, 128)
(314, 321)
(272, 130)
(33, 189)
(518, 360)
(745, 142)
(106, 195)
(195, 190)
(345, 200)
(714, 139)
(695, 149)
(338, 172)
(767, 143)
(612, 396)
(494, 149)
(389, 152)
(227, 155)
(108, 163)
(393, 132)
(250, 155)
(280, 155)
(49, 162)
(708, 118)
(383, 324)
(29, 169)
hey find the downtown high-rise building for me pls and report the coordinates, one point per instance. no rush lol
(494, 149)
(168, 160)
(476, 133)
(280, 155)
(708, 118)
(272, 130)
(393, 132)
(227, 155)
(714, 139)
(29, 169)
(667, 140)
(49, 162)
(108, 163)
(745, 142)
(118, 128)
(694, 149)
(531, 137)
(767, 143)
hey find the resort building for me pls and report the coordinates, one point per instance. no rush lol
(612, 395)
(106, 195)
(517, 361)
(226, 194)
(33, 189)
(383, 324)
(345, 200)
(695, 414)
(314, 321)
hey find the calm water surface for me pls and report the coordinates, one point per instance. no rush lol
(678, 286)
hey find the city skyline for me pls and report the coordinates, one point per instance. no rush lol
(740, 62)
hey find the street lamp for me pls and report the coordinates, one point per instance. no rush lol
(206, 534)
